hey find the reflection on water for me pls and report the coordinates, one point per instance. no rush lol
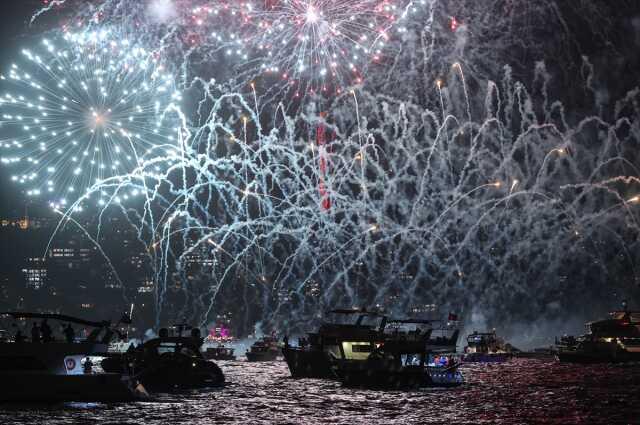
(520, 391)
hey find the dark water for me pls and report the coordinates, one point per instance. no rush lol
(521, 391)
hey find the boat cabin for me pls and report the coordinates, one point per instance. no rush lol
(484, 342)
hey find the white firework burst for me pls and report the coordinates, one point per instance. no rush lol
(81, 108)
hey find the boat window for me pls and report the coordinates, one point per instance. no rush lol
(357, 348)
(166, 348)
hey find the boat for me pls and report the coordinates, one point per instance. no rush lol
(613, 340)
(487, 347)
(403, 361)
(167, 363)
(540, 353)
(315, 355)
(265, 349)
(219, 352)
(335, 341)
(60, 371)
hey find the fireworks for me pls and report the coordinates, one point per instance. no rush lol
(162, 10)
(314, 44)
(81, 108)
(443, 180)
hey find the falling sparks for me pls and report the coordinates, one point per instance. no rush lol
(425, 192)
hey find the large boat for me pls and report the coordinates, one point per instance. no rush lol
(403, 360)
(315, 355)
(60, 371)
(265, 349)
(486, 347)
(612, 340)
(167, 363)
(356, 340)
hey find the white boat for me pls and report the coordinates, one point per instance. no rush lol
(58, 371)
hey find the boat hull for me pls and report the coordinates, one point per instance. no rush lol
(218, 357)
(169, 372)
(304, 363)
(266, 356)
(486, 357)
(384, 376)
(591, 357)
(45, 387)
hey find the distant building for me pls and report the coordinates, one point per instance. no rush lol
(146, 286)
(25, 223)
(70, 256)
(35, 273)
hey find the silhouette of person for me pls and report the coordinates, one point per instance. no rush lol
(88, 366)
(46, 331)
(35, 333)
(69, 333)
(286, 341)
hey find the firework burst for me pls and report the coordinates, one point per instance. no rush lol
(81, 108)
(313, 44)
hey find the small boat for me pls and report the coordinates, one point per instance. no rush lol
(219, 352)
(541, 353)
(613, 340)
(167, 363)
(487, 347)
(57, 371)
(265, 349)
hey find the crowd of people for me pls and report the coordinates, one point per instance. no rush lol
(42, 333)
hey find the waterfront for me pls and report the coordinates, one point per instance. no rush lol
(520, 391)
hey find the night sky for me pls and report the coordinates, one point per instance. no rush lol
(250, 168)
(459, 240)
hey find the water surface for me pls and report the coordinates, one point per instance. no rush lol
(520, 391)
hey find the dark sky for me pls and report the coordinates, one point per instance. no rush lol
(14, 21)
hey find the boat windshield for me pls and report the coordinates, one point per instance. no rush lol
(481, 338)
(631, 316)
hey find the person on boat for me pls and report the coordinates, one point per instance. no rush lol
(35, 333)
(69, 333)
(19, 338)
(88, 366)
(46, 331)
